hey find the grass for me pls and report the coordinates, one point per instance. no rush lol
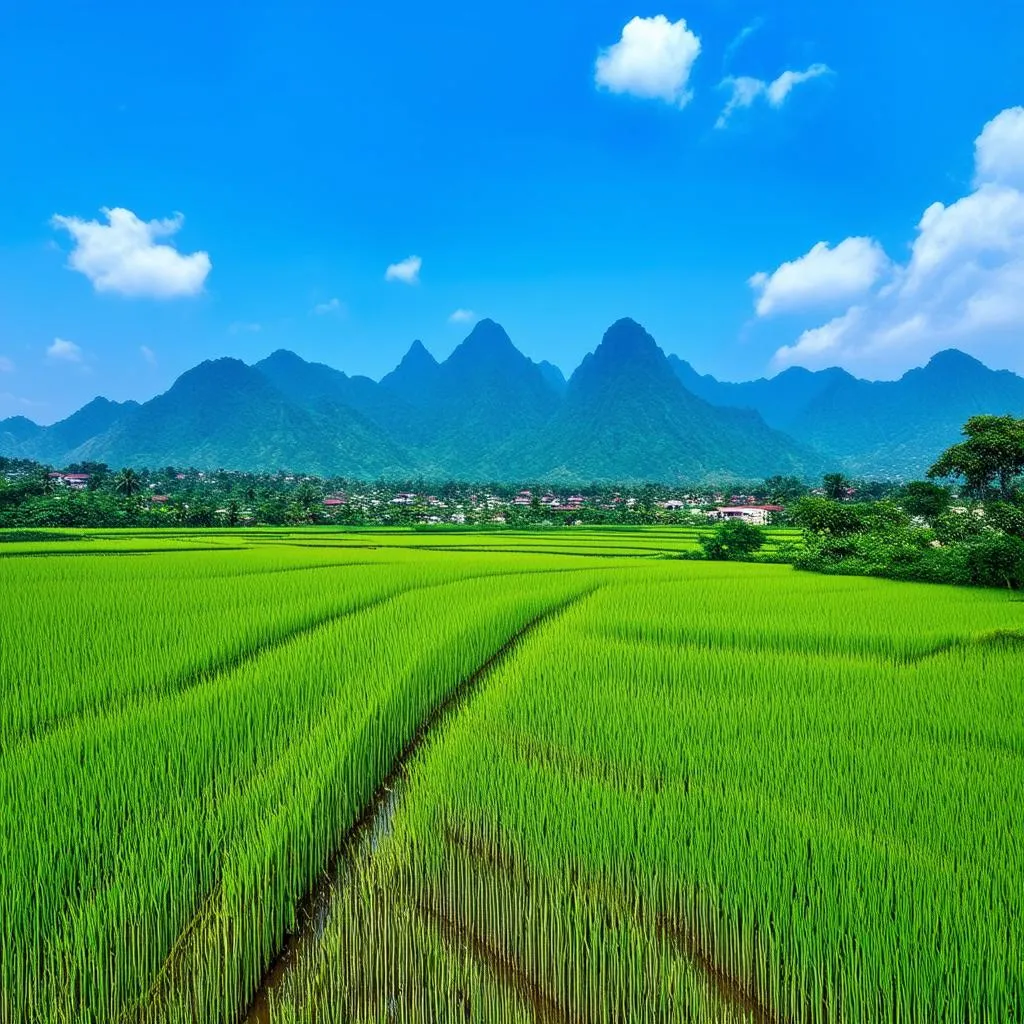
(694, 791)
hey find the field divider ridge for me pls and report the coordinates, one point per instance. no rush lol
(383, 803)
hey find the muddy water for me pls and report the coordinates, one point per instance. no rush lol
(314, 913)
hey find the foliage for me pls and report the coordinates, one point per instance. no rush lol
(992, 454)
(835, 486)
(996, 560)
(780, 490)
(732, 540)
(127, 482)
(824, 516)
(924, 499)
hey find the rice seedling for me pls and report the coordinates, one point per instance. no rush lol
(693, 791)
(727, 820)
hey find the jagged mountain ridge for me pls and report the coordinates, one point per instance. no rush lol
(872, 428)
(628, 412)
(626, 415)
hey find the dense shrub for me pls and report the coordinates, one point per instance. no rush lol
(734, 539)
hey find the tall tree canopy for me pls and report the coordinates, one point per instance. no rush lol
(993, 453)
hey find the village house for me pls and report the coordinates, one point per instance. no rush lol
(76, 481)
(757, 515)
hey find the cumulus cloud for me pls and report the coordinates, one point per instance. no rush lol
(823, 275)
(999, 150)
(6, 365)
(124, 256)
(62, 351)
(328, 307)
(407, 271)
(963, 283)
(148, 354)
(745, 90)
(462, 316)
(652, 60)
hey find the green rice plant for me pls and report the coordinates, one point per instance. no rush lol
(809, 820)
(172, 835)
(689, 791)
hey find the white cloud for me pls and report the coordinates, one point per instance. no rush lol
(148, 354)
(242, 327)
(786, 82)
(330, 306)
(742, 36)
(652, 60)
(746, 90)
(62, 351)
(962, 285)
(821, 276)
(407, 271)
(462, 316)
(6, 365)
(822, 339)
(123, 255)
(999, 150)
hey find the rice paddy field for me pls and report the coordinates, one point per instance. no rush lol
(371, 776)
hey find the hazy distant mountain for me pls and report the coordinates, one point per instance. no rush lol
(224, 414)
(626, 416)
(627, 413)
(553, 375)
(319, 386)
(415, 379)
(489, 398)
(774, 398)
(872, 428)
(15, 432)
(53, 443)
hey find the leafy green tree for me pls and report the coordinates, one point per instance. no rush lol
(308, 500)
(1005, 517)
(734, 539)
(993, 454)
(997, 560)
(835, 486)
(925, 499)
(959, 524)
(782, 489)
(822, 515)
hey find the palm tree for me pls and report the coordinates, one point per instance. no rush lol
(127, 482)
(836, 486)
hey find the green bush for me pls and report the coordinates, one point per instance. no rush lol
(731, 540)
(996, 560)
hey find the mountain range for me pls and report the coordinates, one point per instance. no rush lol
(627, 413)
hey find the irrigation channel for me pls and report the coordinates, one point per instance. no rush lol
(314, 913)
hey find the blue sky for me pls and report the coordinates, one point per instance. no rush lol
(554, 167)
